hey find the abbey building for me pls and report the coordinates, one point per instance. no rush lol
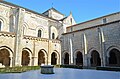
(28, 38)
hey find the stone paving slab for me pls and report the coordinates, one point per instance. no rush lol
(64, 73)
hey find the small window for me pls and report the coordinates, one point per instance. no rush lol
(53, 35)
(39, 33)
(104, 20)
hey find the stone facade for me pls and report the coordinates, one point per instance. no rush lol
(28, 38)
(93, 43)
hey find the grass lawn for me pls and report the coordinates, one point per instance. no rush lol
(18, 69)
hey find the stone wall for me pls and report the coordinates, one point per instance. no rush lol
(19, 32)
(99, 38)
(94, 22)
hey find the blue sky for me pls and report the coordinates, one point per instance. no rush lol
(82, 10)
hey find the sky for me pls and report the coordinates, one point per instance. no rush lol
(82, 10)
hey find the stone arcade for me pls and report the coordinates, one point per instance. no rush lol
(28, 38)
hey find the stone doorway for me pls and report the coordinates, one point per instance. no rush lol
(41, 57)
(95, 59)
(66, 59)
(53, 58)
(79, 58)
(114, 57)
(25, 58)
(5, 57)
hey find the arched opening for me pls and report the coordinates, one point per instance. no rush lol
(39, 33)
(114, 59)
(95, 59)
(79, 58)
(25, 58)
(5, 57)
(53, 35)
(66, 60)
(41, 57)
(53, 58)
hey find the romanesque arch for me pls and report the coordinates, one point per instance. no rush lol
(25, 28)
(40, 31)
(53, 32)
(79, 58)
(26, 57)
(55, 58)
(66, 58)
(114, 57)
(95, 58)
(42, 57)
(6, 56)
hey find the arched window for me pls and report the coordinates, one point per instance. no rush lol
(0, 25)
(53, 35)
(39, 33)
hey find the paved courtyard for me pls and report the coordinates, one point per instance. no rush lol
(64, 73)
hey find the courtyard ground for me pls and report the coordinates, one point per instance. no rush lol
(64, 73)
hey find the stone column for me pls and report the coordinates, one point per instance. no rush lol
(19, 36)
(35, 61)
(60, 54)
(102, 47)
(49, 52)
(88, 63)
(46, 62)
(30, 63)
(11, 63)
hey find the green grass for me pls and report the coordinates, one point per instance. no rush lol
(72, 66)
(108, 68)
(18, 69)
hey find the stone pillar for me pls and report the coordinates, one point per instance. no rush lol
(30, 63)
(49, 52)
(88, 63)
(60, 54)
(35, 61)
(19, 36)
(46, 62)
(11, 61)
(102, 47)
